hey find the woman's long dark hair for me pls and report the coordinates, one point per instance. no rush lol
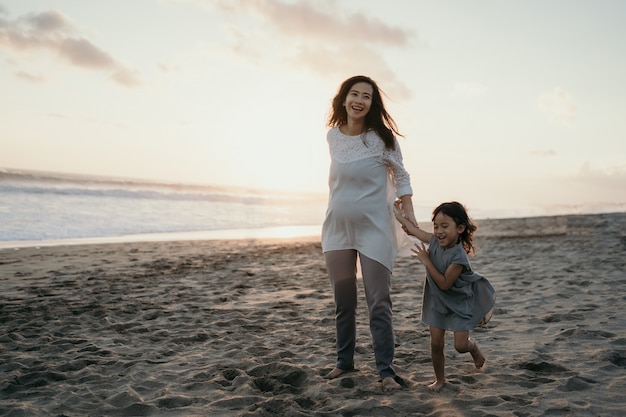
(377, 119)
(459, 214)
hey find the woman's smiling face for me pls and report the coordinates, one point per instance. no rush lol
(359, 100)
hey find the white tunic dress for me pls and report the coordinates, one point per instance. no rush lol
(362, 181)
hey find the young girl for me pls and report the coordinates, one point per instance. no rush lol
(455, 297)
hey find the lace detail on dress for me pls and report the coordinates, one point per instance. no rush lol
(353, 148)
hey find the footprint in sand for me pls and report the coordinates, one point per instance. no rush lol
(347, 383)
(278, 378)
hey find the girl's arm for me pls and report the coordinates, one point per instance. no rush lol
(444, 281)
(408, 225)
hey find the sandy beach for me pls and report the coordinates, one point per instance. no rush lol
(246, 328)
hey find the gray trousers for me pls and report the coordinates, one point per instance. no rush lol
(341, 266)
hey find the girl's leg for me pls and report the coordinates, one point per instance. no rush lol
(437, 343)
(377, 284)
(341, 266)
(463, 344)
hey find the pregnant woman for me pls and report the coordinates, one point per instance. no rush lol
(366, 175)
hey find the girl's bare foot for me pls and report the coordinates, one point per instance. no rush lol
(390, 384)
(479, 359)
(436, 386)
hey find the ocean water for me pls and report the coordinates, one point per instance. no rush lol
(38, 207)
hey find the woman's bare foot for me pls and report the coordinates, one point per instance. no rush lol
(479, 359)
(436, 386)
(335, 373)
(390, 384)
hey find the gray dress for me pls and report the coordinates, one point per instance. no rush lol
(467, 304)
(364, 180)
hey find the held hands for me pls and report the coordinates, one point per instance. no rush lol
(402, 217)
(397, 211)
(409, 224)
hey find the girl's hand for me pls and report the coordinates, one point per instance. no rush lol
(420, 251)
(397, 211)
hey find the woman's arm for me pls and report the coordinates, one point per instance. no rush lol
(402, 181)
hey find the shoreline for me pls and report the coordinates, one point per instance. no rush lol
(279, 232)
(489, 227)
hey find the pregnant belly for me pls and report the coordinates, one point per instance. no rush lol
(352, 211)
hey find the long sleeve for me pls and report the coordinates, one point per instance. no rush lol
(401, 177)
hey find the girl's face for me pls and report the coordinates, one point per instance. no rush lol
(446, 230)
(359, 100)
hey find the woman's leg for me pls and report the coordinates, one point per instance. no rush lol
(437, 343)
(341, 266)
(377, 284)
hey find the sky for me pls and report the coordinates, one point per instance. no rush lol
(512, 107)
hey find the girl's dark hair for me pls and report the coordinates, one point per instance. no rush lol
(377, 118)
(459, 214)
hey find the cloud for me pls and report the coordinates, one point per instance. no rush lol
(349, 61)
(29, 77)
(50, 21)
(126, 77)
(83, 53)
(589, 185)
(52, 31)
(303, 19)
(558, 106)
(321, 37)
(615, 176)
(601, 186)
